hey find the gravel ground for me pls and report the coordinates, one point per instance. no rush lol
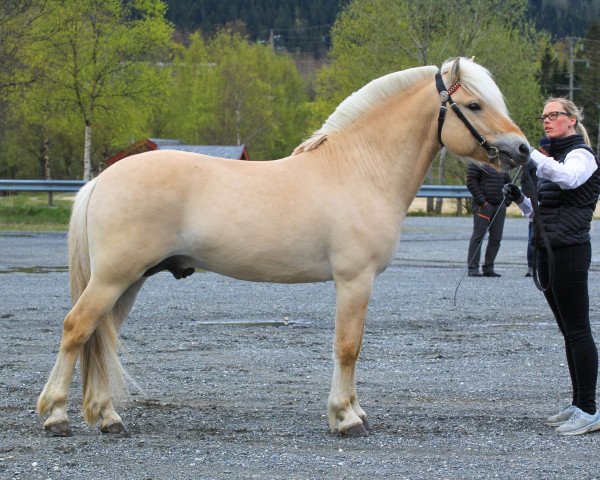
(233, 377)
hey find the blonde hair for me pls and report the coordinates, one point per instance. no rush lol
(577, 112)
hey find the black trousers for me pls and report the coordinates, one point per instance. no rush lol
(569, 300)
(481, 220)
(530, 247)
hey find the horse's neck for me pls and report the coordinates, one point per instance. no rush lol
(393, 151)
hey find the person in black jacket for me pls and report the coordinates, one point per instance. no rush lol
(485, 184)
(567, 191)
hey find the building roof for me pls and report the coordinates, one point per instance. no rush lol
(164, 142)
(235, 152)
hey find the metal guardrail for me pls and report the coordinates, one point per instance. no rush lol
(444, 191)
(440, 191)
(41, 185)
(51, 186)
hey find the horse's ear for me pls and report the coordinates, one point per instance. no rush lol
(455, 73)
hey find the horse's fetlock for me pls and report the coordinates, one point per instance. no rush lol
(91, 411)
(337, 407)
(91, 416)
(43, 406)
(50, 399)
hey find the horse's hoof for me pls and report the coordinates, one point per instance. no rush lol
(60, 429)
(357, 430)
(366, 424)
(116, 428)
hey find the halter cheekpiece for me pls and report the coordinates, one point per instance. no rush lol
(445, 97)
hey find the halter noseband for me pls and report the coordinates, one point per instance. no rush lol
(445, 96)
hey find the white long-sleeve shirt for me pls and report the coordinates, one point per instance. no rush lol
(577, 168)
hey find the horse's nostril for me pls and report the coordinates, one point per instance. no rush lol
(524, 149)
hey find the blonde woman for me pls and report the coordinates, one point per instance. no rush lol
(567, 189)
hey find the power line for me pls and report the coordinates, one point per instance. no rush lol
(294, 29)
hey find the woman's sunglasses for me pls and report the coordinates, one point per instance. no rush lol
(552, 116)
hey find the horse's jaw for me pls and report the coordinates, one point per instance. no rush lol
(513, 151)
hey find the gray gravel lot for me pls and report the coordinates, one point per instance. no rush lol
(233, 377)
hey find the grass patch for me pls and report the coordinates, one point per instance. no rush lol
(31, 212)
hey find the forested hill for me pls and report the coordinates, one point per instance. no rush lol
(564, 18)
(297, 24)
(304, 24)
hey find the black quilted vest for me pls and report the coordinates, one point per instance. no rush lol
(567, 214)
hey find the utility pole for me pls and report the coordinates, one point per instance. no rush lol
(598, 141)
(571, 73)
(571, 67)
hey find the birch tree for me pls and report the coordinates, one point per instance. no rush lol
(230, 91)
(101, 54)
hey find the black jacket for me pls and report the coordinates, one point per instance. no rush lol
(567, 214)
(485, 183)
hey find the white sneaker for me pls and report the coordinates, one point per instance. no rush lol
(580, 423)
(561, 417)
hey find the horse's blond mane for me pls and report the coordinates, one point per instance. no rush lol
(474, 78)
(360, 101)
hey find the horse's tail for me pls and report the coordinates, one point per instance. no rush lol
(101, 370)
(79, 255)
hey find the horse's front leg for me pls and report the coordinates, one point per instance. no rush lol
(352, 299)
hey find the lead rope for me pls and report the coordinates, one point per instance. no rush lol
(541, 232)
(481, 243)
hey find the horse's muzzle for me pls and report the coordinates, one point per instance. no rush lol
(513, 152)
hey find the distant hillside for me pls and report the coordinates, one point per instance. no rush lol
(296, 25)
(303, 25)
(564, 18)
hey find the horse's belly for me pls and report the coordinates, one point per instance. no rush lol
(267, 268)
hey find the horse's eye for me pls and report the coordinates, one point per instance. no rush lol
(474, 107)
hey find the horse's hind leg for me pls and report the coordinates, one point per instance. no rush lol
(79, 324)
(101, 369)
(351, 309)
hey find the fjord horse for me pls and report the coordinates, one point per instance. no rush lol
(330, 211)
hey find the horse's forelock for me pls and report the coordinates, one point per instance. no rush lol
(479, 82)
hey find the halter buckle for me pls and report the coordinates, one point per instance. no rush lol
(444, 96)
(493, 153)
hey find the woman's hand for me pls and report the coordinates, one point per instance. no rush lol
(512, 193)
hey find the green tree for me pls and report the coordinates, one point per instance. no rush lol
(102, 55)
(588, 92)
(374, 37)
(232, 91)
(192, 98)
(18, 22)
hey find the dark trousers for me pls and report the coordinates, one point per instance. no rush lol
(568, 298)
(530, 248)
(481, 221)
